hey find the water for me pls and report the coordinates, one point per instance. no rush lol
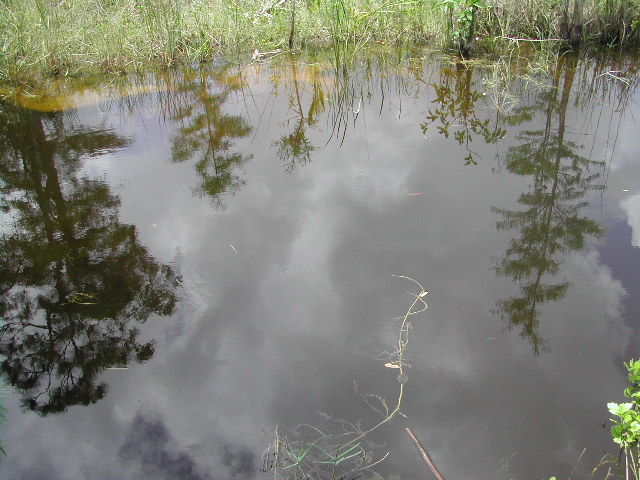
(198, 262)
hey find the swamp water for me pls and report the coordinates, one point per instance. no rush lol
(198, 269)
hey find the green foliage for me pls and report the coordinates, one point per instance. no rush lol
(625, 432)
(44, 38)
(626, 428)
(462, 19)
(618, 21)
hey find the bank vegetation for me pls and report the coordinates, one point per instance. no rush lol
(67, 37)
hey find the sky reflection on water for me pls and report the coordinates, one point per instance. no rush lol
(279, 200)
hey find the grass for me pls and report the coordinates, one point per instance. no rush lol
(69, 37)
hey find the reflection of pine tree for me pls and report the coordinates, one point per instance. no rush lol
(551, 223)
(72, 277)
(206, 134)
(295, 149)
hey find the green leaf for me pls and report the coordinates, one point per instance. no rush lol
(619, 409)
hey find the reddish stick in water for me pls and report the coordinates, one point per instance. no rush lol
(424, 454)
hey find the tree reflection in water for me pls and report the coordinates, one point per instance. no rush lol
(206, 131)
(295, 149)
(74, 280)
(455, 110)
(552, 222)
(339, 94)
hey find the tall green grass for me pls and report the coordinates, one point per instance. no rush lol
(65, 37)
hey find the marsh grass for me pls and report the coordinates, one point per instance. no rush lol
(67, 37)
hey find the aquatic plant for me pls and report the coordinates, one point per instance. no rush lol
(308, 452)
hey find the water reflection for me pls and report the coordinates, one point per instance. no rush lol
(340, 94)
(281, 327)
(150, 445)
(295, 148)
(206, 132)
(552, 222)
(456, 110)
(74, 280)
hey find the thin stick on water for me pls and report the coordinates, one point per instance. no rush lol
(424, 454)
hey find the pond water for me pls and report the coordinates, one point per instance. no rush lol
(202, 266)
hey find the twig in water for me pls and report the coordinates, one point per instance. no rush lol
(424, 454)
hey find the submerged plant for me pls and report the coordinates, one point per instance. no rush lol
(308, 452)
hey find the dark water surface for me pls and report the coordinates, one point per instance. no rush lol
(194, 261)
